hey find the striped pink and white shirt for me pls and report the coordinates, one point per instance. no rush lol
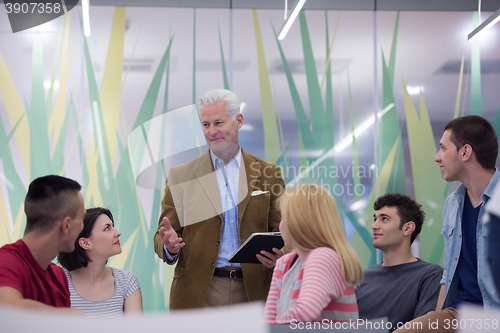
(313, 290)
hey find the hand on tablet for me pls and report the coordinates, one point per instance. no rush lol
(170, 238)
(268, 259)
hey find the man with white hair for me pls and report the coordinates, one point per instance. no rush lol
(211, 205)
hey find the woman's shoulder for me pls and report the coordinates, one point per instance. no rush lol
(324, 250)
(68, 275)
(126, 282)
(284, 262)
(123, 275)
(323, 253)
(288, 257)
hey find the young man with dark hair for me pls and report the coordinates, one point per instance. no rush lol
(54, 218)
(468, 152)
(397, 222)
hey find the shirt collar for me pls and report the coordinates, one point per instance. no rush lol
(488, 192)
(491, 185)
(236, 158)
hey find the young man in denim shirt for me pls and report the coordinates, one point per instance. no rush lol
(468, 152)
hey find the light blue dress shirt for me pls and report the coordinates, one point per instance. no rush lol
(452, 233)
(228, 179)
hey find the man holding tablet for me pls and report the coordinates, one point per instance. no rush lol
(211, 205)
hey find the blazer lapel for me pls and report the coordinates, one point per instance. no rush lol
(205, 174)
(249, 170)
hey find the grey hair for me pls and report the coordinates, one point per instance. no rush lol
(213, 96)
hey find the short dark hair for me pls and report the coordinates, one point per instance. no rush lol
(49, 199)
(408, 210)
(79, 258)
(479, 134)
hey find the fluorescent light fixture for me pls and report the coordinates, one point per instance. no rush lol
(242, 106)
(414, 90)
(494, 18)
(46, 85)
(86, 17)
(288, 23)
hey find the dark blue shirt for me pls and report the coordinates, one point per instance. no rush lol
(468, 288)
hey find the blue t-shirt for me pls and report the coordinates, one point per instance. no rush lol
(468, 288)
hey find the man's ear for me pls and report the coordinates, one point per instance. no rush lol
(466, 152)
(408, 228)
(239, 120)
(64, 224)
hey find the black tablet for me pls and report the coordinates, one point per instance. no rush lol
(257, 242)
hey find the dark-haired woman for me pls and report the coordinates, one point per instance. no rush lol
(99, 290)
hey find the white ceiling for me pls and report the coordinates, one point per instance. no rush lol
(420, 5)
(412, 5)
(427, 41)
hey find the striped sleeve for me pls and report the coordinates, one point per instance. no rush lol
(131, 284)
(275, 289)
(322, 282)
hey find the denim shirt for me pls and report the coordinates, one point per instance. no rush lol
(452, 233)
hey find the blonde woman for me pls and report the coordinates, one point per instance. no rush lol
(99, 290)
(317, 280)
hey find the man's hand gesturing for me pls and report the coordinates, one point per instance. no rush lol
(169, 236)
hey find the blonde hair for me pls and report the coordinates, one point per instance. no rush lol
(313, 220)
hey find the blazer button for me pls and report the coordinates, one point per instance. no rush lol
(213, 264)
(217, 242)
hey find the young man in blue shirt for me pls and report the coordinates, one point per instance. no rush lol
(468, 152)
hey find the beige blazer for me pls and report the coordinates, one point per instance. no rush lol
(192, 204)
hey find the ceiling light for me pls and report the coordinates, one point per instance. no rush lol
(86, 17)
(47, 85)
(288, 23)
(413, 90)
(494, 18)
